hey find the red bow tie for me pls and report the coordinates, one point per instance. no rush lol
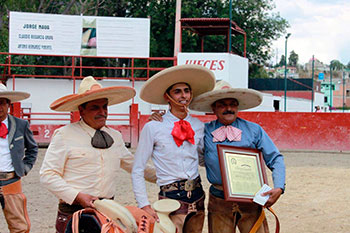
(229, 132)
(3, 130)
(182, 131)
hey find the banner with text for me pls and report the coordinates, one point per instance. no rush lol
(34, 33)
(228, 67)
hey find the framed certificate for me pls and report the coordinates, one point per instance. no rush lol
(242, 172)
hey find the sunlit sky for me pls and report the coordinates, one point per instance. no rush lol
(317, 27)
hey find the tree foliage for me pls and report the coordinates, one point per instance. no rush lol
(282, 61)
(293, 59)
(336, 65)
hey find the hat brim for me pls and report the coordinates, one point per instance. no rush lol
(198, 77)
(166, 205)
(14, 96)
(247, 98)
(115, 95)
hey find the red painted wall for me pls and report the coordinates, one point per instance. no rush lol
(305, 131)
(299, 131)
(289, 130)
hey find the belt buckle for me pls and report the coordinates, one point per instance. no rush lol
(189, 185)
(3, 175)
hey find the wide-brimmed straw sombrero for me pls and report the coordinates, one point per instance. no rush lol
(247, 98)
(199, 78)
(89, 90)
(13, 96)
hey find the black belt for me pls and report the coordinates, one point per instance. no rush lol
(187, 185)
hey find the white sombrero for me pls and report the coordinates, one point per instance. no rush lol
(247, 98)
(13, 96)
(199, 78)
(89, 90)
(163, 208)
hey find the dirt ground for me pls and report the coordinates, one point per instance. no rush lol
(316, 199)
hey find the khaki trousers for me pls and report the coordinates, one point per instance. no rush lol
(15, 210)
(223, 216)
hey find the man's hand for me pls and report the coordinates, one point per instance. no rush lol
(156, 116)
(274, 195)
(85, 200)
(151, 211)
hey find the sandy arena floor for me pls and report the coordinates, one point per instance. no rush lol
(316, 200)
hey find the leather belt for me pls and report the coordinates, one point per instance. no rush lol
(219, 187)
(7, 175)
(187, 185)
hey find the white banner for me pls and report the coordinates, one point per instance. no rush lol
(33, 33)
(228, 67)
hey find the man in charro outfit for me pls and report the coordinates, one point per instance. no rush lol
(228, 129)
(174, 144)
(81, 163)
(18, 152)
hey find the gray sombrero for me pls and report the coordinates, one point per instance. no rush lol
(13, 96)
(200, 79)
(247, 98)
(89, 90)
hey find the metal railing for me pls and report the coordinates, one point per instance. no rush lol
(76, 67)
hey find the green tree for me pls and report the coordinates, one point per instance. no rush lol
(258, 71)
(293, 59)
(337, 65)
(255, 17)
(282, 61)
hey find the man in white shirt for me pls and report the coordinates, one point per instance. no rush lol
(81, 163)
(174, 144)
(18, 152)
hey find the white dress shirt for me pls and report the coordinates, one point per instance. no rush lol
(5, 156)
(71, 165)
(172, 163)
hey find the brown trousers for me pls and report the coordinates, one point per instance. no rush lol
(224, 216)
(15, 210)
(188, 223)
(64, 214)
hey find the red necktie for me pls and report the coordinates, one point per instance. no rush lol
(182, 131)
(3, 130)
(229, 132)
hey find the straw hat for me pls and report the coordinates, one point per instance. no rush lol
(199, 78)
(247, 98)
(89, 90)
(13, 96)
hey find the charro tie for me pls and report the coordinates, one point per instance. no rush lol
(229, 132)
(101, 140)
(182, 131)
(3, 130)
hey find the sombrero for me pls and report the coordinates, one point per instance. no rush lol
(247, 98)
(13, 96)
(163, 208)
(200, 79)
(89, 90)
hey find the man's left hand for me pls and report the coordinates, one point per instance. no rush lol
(274, 195)
(156, 116)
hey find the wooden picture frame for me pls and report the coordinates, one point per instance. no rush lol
(242, 172)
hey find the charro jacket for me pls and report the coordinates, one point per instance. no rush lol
(23, 147)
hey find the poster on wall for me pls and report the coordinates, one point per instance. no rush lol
(50, 34)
